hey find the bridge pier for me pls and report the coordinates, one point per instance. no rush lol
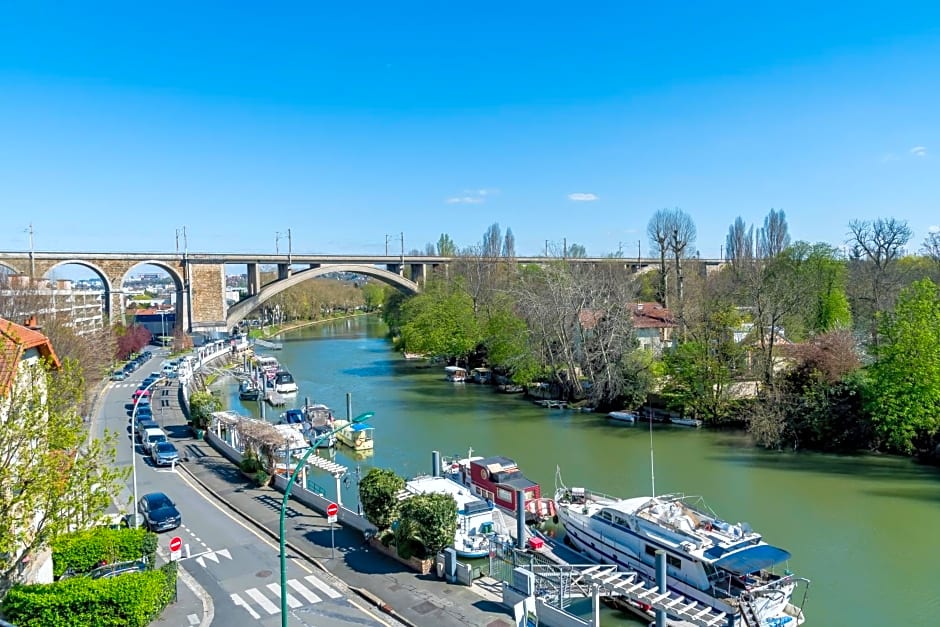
(419, 272)
(283, 271)
(394, 268)
(254, 278)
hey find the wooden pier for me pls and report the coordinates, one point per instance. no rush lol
(274, 399)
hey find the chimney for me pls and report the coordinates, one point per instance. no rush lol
(32, 323)
(639, 306)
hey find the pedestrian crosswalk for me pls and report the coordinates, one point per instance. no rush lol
(267, 599)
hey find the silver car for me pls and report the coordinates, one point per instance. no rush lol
(164, 454)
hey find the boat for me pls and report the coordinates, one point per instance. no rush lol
(728, 567)
(623, 416)
(408, 355)
(475, 524)
(496, 480)
(510, 388)
(319, 433)
(357, 436)
(268, 366)
(248, 391)
(481, 375)
(284, 382)
(455, 374)
(686, 422)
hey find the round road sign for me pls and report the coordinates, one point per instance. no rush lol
(176, 543)
(332, 509)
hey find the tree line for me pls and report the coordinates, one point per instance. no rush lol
(807, 345)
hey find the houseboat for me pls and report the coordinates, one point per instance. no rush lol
(284, 382)
(455, 374)
(496, 480)
(475, 524)
(357, 436)
(268, 366)
(298, 419)
(728, 567)
(481, 375)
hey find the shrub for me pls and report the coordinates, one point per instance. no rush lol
(262, 478)
(378, 493)
(250, 465)
(82, 551)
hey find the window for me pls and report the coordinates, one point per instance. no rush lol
(675, 562)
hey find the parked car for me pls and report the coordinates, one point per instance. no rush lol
(118, 375)
(164, 454)
(106, 571)
(144, 412)
(140, 392)
(151, 436)
(159, 512)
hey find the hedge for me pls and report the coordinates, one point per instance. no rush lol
(84, 550)
(128, 600)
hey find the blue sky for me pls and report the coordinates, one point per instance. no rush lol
(121, 123)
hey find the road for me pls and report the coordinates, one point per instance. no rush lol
(238, 567)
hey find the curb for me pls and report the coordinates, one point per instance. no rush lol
(361, 592)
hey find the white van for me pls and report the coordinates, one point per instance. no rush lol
(150, 437)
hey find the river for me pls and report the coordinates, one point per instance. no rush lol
(865, 529)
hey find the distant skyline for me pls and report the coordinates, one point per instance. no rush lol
(120, 124)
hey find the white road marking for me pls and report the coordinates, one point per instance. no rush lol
(210, 555)
(262, 600)
(291, 599)
(330, 592)
(201, 561)
(303, 591)
(193, 619)
(224, 553)
(241, 602)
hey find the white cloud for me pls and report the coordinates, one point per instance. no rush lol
(919, 151)
(472, 196)
(583, 197)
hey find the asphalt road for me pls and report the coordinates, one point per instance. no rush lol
(235, 565)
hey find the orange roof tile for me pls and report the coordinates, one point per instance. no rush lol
(15, 340)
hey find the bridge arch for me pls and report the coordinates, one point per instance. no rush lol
(240, 310)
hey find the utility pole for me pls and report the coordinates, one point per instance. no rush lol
(290, 250)
(32, 255)
(386, 245)
(546, 248)
(277, 239)
(638, 254)
(177, 241)
(564, 254)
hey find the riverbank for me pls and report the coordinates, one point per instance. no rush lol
(265, 334)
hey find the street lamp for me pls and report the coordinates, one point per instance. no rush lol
(134, 444)
(290, 484)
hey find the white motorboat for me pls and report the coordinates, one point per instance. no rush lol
(284, 382)
(475, 524)
(686, 422)
(622, 416)
(455, 374)
(728, 567)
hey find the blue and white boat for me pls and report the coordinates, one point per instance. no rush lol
(728, 567)
(475, 524)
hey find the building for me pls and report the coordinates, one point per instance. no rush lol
(157, 321)
(654, 325)
(80, 309)
(23, 349)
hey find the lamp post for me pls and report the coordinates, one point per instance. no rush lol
(287, 489)
(134, 444)
(163, 326)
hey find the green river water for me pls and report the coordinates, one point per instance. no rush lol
(865, 529)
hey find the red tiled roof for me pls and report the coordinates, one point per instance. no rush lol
(652, 316)
(15, 340)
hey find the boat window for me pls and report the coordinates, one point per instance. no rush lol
(675, 562)
(621, 521)
(504, 494)
(606, 515)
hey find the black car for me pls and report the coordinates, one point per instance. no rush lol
(145, 423)
(106, 571)
(159, 512)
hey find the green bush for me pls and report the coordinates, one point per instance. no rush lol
(250, 465)
(262, 478)
(82, 551)
(129, 600)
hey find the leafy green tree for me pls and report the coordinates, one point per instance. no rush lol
(61, 479)
(378, 493)
(903, 395)
(446, 246)
(374, 295)
(506, 338)
(441, 322)
(431, 519)
(202, 404)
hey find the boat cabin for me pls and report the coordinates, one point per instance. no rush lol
(455, 374)
(481, 375)
(497, 479)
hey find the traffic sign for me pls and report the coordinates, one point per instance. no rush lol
(331, 512)
(176, 546)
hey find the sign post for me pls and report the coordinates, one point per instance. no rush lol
(332, 510)
(176, 546)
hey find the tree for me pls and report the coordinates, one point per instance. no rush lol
(430, 519)
(739, 244)
(903, 396)
(202, 404)
(576, 251)
(440, 321)
(509, 245)
(774, 238)
(682, 235)
(61, 478)
(378, 493)
(506, 339)
(492, 241)
(446, 246)
(931, 248)
(876, 247)
(659, 229)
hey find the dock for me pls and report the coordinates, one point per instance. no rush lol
(271, 346)
(274, 399)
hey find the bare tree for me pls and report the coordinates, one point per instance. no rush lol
(739, 244)
(492, 241)
(774, 238)
(876, 247)
(681, 244)
(659, 230)
(509, 245)
(931, 248)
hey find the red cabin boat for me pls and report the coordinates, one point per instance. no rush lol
(496, 480)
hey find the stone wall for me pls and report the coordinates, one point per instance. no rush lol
(207, 284)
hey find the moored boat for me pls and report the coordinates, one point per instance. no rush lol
(357, 436)
(622, 416)
(284, 382)
(455, 374)
(728, 567)
(248, 391)
(686, 422)
(475, 524)
(496, 480)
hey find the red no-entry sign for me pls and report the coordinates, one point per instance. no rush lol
(176, 543)
(332, 509)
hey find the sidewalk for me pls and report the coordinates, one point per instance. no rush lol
(384, 583)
